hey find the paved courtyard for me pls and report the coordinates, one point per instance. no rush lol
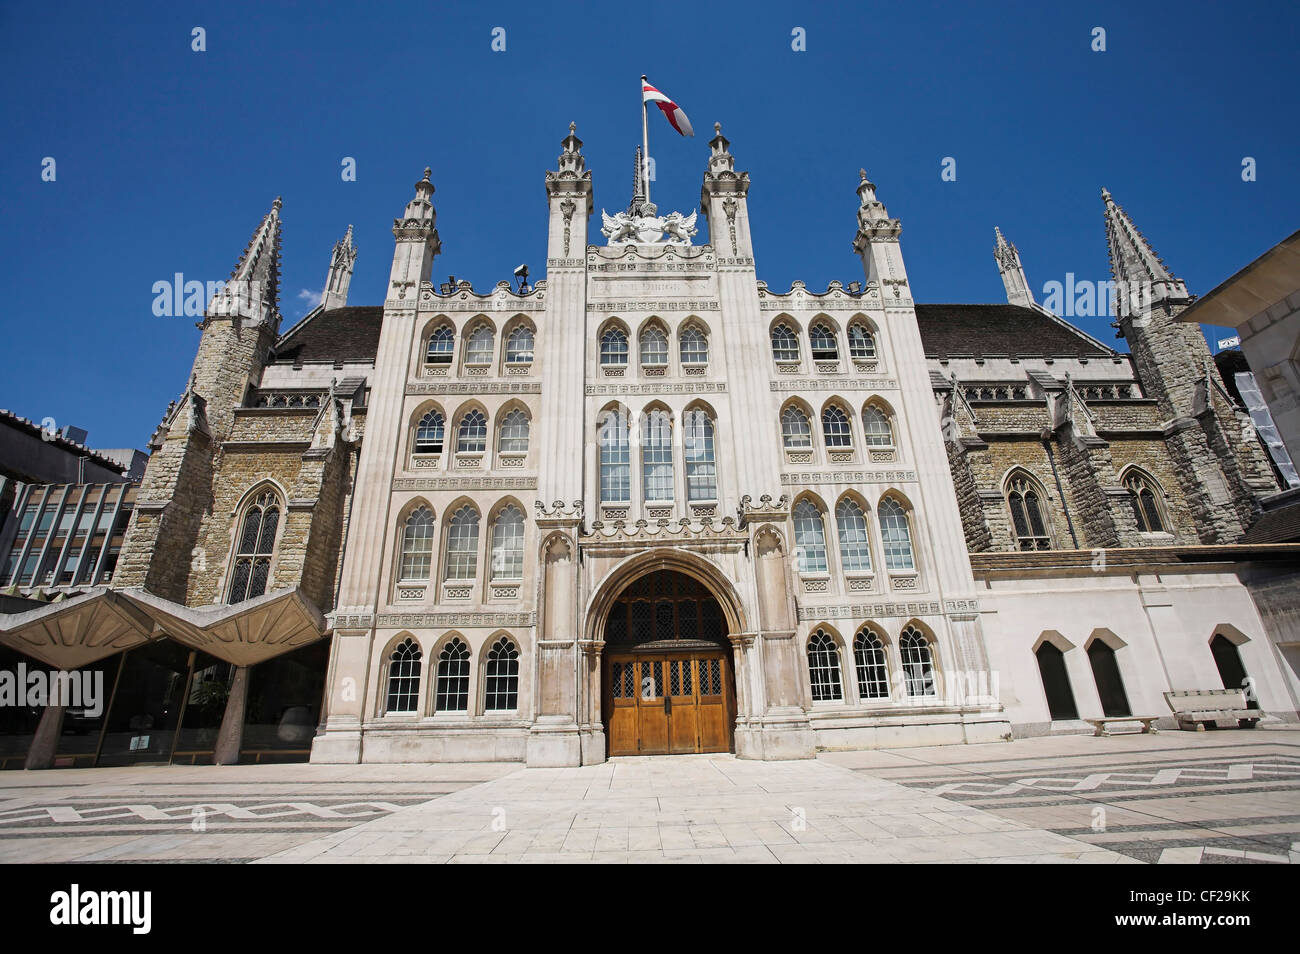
(1217, 797)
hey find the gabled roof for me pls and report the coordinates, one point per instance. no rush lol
(348, 335)
(1001, 329)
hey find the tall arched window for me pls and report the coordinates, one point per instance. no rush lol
(513, 436)
(404, 677)
(417, 546)
(875, 426)
(657, 456)
(862, 343)
(654, 347)
(796, 430)
(918, 662)
(478, 346)
(471, 436)
(508, 544)
(694, 346)
(824, 346)
(501, 677)
(462, 544)
(429, 433)
(809, 537)
(873, 673)
(697, 446)
(785, 344)
(615, 459)
(855, 552)
(613, 347)
(519, 346)
(1027, 523)
(255, 547)
(835, 427)
(451, 694)
(824, 668)
(442, 344)
(896, 535)
(1145, 497)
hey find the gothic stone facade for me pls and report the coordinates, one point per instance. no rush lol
(907, 523)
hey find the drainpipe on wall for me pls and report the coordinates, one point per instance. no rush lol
(1065, 506)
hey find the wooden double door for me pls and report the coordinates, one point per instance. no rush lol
(668, 702)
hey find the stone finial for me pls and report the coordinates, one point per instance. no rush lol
(428, 171)
(717, 129)
(573, 129)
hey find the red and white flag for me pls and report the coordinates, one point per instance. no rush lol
(676, 118)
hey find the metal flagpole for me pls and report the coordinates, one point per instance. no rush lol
(645, 144)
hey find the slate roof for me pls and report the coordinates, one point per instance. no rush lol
(348, 335)
(1279, 523)
(351, 334)
(1000, 329)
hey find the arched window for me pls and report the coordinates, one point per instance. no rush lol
(697, 446)
(452, 691)
(613, 347)
(694, 346)
(835, 427)
(824, 668)
(862, 343)
(255, 547)
(809, 537)
(501, 678)
(478, 346)
(1145, 497)
(785, 344)
(513, 437)
(519, 346)
(429, 433)
(796, 430)
(654, 347)
(508, 544)
(462, 544)
(1027, 514)
(822, 338)
(615, 459)
(471, 436)
(918, 662)
(873, 673)
(855, 552)
(875, 425)
(404, 677)
(442, 344)
(896, 535)
(417, 546)
(657, 456)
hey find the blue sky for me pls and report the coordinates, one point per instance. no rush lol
(167, 158)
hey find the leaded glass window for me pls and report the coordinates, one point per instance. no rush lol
(462, 544)
(809, 537)
(404, 677)
(873, 673)
(255, 548)
(501, 677)
(896, 535)
(824, 668)
(855, 551)
(452, 689)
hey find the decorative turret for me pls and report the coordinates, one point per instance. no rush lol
(340, 273)
(1141, 279)
(253, 291)
(1013, 273)
(724, 199)
(874, 222)
(417, 241)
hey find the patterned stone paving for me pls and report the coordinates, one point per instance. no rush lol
(203, 813)
(1225, 797)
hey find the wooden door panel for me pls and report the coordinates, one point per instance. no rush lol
(620, 703)
(683, 724)
(652, 717)
(713, 709)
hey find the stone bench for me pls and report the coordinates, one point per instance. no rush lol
(1101, 726)
(1193, 708)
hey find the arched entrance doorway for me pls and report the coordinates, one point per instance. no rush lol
(668, 685)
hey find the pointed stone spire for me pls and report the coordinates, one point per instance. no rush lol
(253, 291)
(572, 163)
(340, 273)
(874, 223)
(720, 158)
(1013, 273)
(417, 242)
(639, 205)
(1140, 275)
